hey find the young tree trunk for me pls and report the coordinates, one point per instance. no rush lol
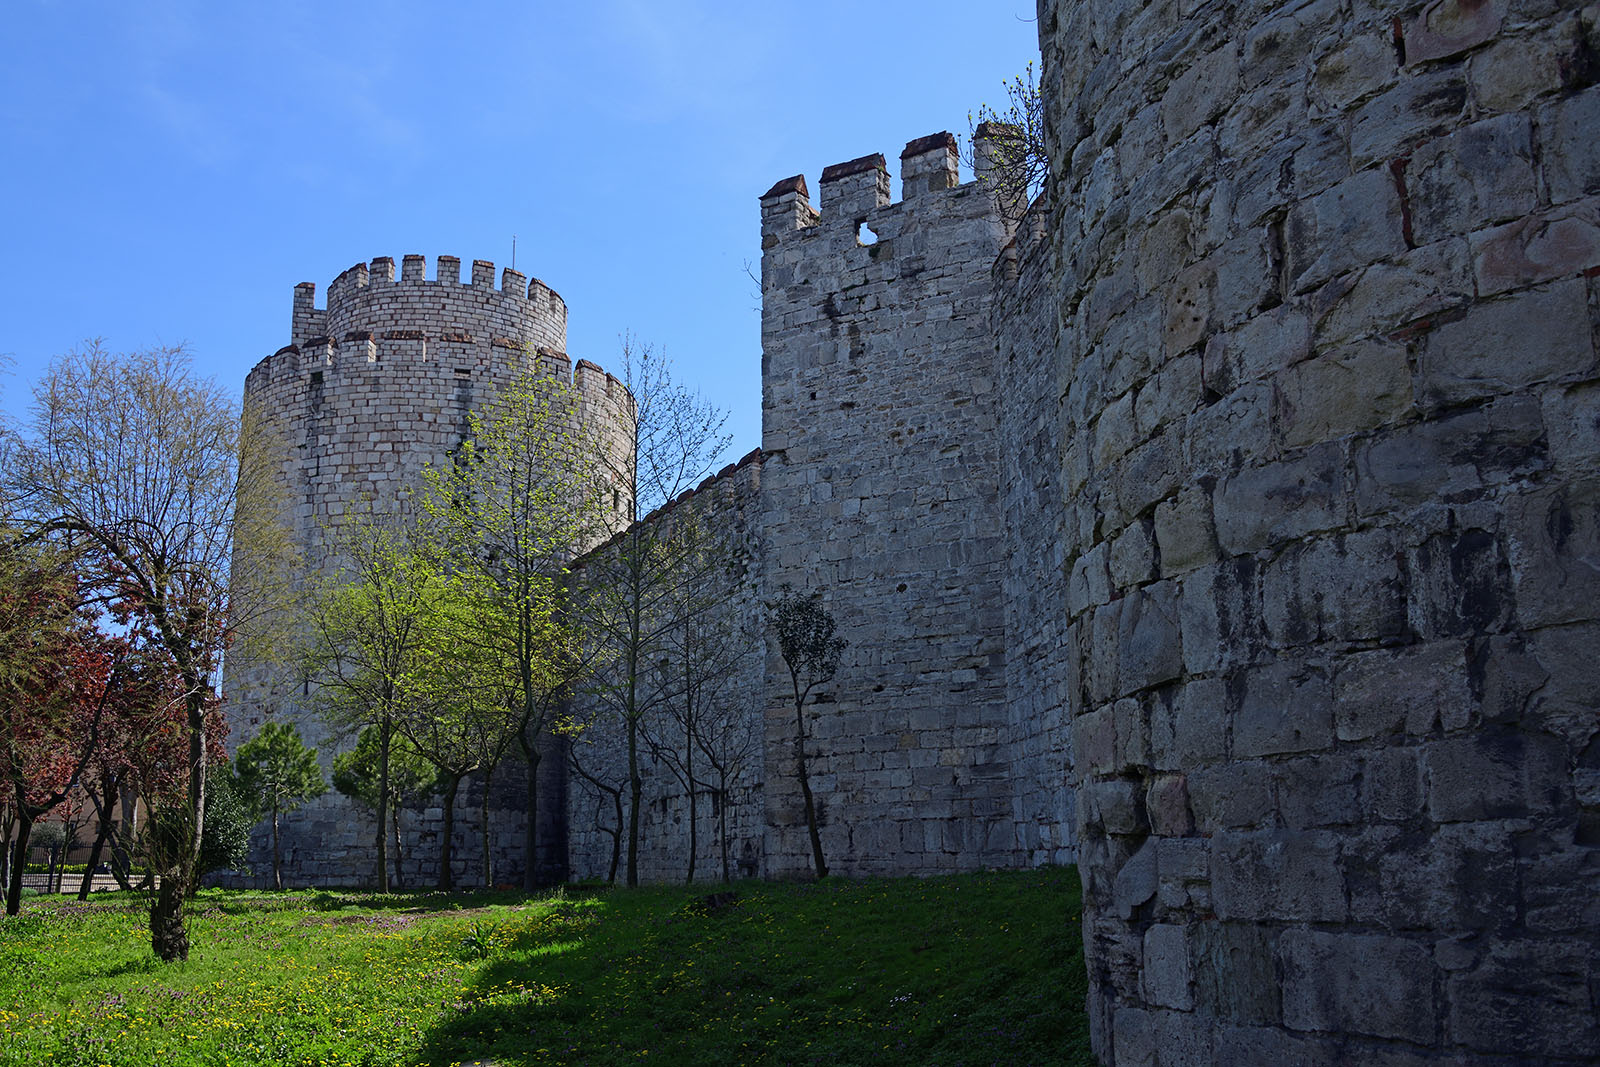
(446, 877)
(635, 796)
(616, 840)
(722, 822)
(102, 834)
(85, 886)
(168, 938)
(399, 856)
(805, 790)
(277, 853)
(531, 878)
(7, 823)
(385, 736)
(483, 822)
(121, 837)
(19, 860)
(688, 777)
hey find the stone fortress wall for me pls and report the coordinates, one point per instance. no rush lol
(881, 487)
(371, 390)
(727, 508)
(1323, 299)
(1230, 526)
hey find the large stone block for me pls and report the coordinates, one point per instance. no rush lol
(1351, 390)
(1282, 875)
(1235, 972)
(1264, 505)
(1555, 546)
(1388, 692)
(1166, 967)
(1345, 588)
(1349, 983)
(1355, 223)
(1231, 796)
(1571, 151)
(1509, 344)
(1479, 174)
(1284, 707)
(1528, 999)
(1497, 773)
(1148, 647)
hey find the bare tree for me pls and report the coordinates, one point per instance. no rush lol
(603, 790)
(701, 654)
(631, 587)
(811, 651)
(156, 477)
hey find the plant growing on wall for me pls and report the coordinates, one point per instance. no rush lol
(811, 649)
(277, 772)
(1012, 140)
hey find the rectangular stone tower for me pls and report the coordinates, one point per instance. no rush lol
(881, 485)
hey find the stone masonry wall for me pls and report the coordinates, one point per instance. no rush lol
(1326, 280)
(730, 713)
(375, 388)
(880, 488)
(1040, 740)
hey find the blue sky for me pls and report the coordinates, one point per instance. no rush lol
(173, 168)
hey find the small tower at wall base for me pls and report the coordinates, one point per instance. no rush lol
(372, 389)
(880, 487)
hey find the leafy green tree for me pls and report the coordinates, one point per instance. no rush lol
(399, 778)
(811, 650)
(461, 722)
(276, 771)
(225, 843)
(523, 493)
(369, 626)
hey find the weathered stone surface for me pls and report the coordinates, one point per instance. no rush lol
(1348, 391)
(1286, 875)
(1479, 174)
(1279, 501)
(1508, 344)
(1348, 983)
(1381, 255)
(1235, 973)
(1166, 967)
(1538, 248)
(1414, 690)
(1284, 708)
(1497, 773)
(1528, 999)
(1572, 156)
(1446, 27)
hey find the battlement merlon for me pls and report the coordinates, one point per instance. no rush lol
(851, 191)
(306, 320)
(310, 321)
(928, 165)
(855, 189)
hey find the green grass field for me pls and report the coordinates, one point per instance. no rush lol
(972, 969)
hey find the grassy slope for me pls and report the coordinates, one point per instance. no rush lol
(975, 969)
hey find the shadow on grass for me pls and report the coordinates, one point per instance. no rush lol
(974, 969)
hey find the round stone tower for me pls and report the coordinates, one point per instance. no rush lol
(370, 390)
